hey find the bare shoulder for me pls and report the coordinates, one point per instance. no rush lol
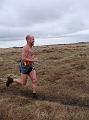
(25, 48)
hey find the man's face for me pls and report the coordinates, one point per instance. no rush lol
(31, 40)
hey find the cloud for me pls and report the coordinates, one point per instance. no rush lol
(43, 17)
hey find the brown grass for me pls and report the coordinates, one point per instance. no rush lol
(63, 87)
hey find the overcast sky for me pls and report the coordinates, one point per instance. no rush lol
(43, 17)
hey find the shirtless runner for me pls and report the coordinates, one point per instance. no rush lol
(27, 66)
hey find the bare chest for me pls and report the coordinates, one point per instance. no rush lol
(30, 52)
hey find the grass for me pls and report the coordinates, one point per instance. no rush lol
(63, 86)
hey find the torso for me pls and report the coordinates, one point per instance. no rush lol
(29, 53)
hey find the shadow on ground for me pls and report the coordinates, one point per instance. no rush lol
(27, 93)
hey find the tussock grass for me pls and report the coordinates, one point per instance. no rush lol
(63, 87)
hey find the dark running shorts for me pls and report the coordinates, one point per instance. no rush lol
(26, 69)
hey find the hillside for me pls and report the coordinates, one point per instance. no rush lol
(63, 86)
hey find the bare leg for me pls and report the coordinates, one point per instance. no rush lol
(33, 77)
(22, 80)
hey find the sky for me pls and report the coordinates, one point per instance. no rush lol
(43, 17)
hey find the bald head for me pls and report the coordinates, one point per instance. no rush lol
(30, 40)
(29, 37)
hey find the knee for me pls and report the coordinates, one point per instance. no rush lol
(34, 81)
(23, 83)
